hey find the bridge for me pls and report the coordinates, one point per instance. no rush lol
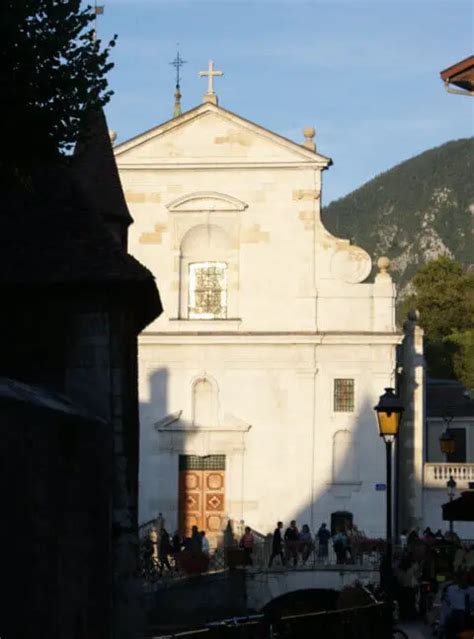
(228, 593)
(263, 586)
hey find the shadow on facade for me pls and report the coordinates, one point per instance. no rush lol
(348, 482)
(348, 469)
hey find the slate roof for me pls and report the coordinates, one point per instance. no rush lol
(97, 172)
(11, 390)
(53, 235)
(49, 235)
(445, 395)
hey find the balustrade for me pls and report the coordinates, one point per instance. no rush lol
(437, 474)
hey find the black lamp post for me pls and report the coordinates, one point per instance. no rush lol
(451, 486)
(389, 413)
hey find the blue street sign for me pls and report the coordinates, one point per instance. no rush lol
(380, 487)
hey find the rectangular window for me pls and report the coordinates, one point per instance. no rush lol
(343, 395)
(207, 290)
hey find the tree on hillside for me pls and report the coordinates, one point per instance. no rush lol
(444, 297)
(51, 70)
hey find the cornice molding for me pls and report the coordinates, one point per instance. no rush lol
(214, 166)
(220, 337)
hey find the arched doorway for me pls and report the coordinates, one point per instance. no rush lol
(341, 518)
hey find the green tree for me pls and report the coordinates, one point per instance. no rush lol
(444, 297)
(51, 70)
(463, 357)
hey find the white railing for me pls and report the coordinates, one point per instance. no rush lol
(437, 474)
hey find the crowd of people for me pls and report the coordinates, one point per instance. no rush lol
(290, 547)
(296, 543)
(164, 550)
(435, 571)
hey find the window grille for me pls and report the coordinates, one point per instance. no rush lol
(343, 395)
(209, 462)
(207, 290)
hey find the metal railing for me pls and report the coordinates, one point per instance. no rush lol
(437, 474)
(311, 556)
(371, 621)
(296, 556)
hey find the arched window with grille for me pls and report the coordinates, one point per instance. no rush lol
(207, 295)
(208, 274)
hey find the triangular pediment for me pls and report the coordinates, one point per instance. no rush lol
(209, 134)
(174, 423)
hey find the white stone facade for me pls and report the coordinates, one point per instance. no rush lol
(257, 383)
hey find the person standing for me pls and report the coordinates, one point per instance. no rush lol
(196, 541)
(460, 600)
(306, 543)
(292, 536)
(407, 577)
(164, 549)
(246, 543)
(176, 547)
(323, 536)
(205, 543)
(404, 538)
(277, 545)
(176, 543)
(340, 545)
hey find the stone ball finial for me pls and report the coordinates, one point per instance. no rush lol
(309, 134)
(383, 264)
(112, 135)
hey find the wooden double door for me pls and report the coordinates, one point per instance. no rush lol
(202, 495)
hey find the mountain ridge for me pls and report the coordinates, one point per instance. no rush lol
(414, 212)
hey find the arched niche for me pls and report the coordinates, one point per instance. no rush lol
(344, 466)
(206, 240)
(341, 519)
(205, 402)
(208, 274)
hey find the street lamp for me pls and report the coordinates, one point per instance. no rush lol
(447, 443)
(451, 486)
(389, 414)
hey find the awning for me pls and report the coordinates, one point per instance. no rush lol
(460, 509)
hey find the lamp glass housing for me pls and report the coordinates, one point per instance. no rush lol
(451, 486)
(447, 443)
(389, 423)
(389, 414)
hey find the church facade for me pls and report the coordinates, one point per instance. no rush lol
(257, 383)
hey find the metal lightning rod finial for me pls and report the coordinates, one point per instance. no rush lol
(177, 63)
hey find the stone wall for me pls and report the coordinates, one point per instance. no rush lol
(55, 486)
(102, 375)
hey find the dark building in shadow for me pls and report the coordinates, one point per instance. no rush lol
(73, 303)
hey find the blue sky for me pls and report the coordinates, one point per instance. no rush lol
(364, 74)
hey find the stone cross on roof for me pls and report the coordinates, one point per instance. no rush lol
(210, 96)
